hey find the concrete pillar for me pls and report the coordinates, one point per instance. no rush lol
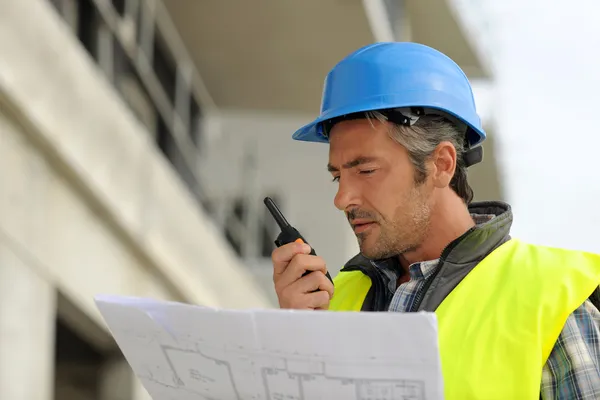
(27, 324)
(118, 382)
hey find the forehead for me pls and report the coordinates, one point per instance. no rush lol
(359, 137)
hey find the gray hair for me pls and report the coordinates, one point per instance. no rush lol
(421, 139)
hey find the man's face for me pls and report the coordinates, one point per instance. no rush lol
(387, 210)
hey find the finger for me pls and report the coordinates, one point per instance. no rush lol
(282, 256)
(314, 281)
(300, 264)
(322, 283)
(305, 301)
(318, 300)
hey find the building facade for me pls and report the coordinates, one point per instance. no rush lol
(137, 141)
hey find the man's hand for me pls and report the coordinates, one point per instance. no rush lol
(292, 260)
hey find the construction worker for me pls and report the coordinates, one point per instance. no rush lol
(515, 320)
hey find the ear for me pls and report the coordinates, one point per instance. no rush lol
(443, 165)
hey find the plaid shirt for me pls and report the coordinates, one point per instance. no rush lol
(573, 369)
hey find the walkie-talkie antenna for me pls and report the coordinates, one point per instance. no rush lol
(276, 213)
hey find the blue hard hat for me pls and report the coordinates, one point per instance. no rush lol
(390, 75)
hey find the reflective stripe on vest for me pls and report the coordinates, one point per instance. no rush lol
(499, 325)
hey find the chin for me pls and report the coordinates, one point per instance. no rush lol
(373, 253)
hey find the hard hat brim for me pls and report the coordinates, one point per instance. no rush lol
(313, 131)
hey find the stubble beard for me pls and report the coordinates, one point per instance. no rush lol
(402, 234)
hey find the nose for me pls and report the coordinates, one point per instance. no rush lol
(346, 196)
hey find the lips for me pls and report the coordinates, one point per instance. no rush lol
(360, 226)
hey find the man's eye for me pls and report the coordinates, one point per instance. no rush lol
(336, 179)
(368, 171)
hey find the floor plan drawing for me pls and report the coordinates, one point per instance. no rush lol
(180, 353)
(257, 376)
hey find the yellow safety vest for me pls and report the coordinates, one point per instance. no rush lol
(499, 325)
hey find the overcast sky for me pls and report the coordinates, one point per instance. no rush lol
(546, 61)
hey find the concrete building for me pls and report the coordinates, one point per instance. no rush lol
(137, 140)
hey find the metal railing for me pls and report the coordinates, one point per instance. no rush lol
(137, 39)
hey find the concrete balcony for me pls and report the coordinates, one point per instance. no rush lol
(274, 55)
(436, 24)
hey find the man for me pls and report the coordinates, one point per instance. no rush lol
(516, 321)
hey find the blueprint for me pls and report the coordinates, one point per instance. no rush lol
(185, 352)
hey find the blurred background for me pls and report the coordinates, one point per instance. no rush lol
(138, 139)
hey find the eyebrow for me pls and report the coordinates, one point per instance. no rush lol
(351, 164)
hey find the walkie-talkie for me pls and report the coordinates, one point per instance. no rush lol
(288, 232)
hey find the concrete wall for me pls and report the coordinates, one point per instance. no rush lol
(27, 315)
(85, 195)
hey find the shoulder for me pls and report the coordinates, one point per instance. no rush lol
(573, 367)
(583, 326)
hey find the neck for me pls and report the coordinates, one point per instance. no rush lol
(450, 218)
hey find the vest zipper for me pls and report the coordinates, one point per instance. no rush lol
(421, 293)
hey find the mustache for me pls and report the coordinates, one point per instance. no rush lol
(360, 214)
